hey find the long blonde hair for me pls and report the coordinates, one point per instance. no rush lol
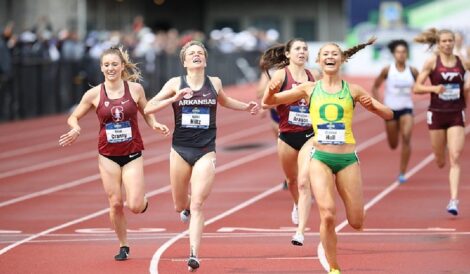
(347, 54)
(131, 71)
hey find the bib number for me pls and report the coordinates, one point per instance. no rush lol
(299, 116)
(331, 133)
(119, 132)
(195, 117)
(451, 93)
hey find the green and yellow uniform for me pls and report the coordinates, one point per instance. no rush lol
(331, 115)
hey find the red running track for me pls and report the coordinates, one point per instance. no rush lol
(53, 211)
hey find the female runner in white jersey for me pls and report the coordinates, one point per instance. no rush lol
(400, 78)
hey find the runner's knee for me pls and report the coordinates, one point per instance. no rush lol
(454, 158)
(328, 216)
(136, 206)
(406, 141)
(304, 184)
(116, 204)
(393, 144)
(197, 204)
(357, 222)
(441, 162)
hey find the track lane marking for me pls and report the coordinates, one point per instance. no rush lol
(230, 165)
(149, 161)
(153, 268)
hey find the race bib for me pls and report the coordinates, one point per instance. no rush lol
(195, 117)
(331, 133)
(451, 93)
(299, 116)
(119, 132)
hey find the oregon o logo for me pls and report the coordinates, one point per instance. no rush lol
(339, 112)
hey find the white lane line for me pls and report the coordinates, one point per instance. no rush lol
(150, 161)
(109, 237)
(429, 229)
(245, 259)
(90, 154)
(45, 232)
(43, 146)
(243, 160)
(153, 268)
(50, 190)
(376, 199)
(48, 164)
(3, 231)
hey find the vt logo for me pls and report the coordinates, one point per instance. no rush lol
(449, 76)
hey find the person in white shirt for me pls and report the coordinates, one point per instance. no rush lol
(400, 78)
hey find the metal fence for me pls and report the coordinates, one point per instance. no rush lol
(38, 86)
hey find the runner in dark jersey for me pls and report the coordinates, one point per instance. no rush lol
(120, 145)
(194, 98)
(295, 128)
(446, 112)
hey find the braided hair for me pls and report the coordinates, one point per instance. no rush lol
(347, 54)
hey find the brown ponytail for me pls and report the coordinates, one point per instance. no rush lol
(131, 72)
(275, 57)
(431, 36)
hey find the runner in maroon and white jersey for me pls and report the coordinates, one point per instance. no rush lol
(117, 102)
(446, 113)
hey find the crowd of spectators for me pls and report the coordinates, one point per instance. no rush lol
(44, 54)
(41, 40)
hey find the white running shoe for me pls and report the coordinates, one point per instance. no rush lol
(298, 239)
(185, 215)
(295, 215)
(453, 207)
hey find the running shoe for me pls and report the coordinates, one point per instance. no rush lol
(185, 215)
(193, 263)
(298, 239)
(401, 178)
(453, 207)
(334, 271)
(285, 186)
(295, 215)
(123, 254)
